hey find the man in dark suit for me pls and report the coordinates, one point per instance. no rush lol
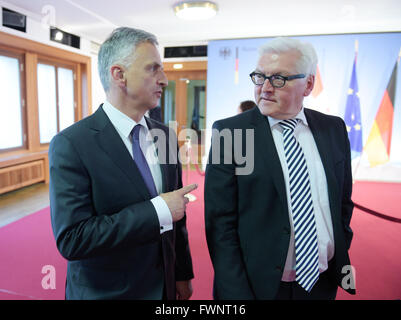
(116, 196)
(283, 230)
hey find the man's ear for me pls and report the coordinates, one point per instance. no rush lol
(310, 83)
(117, 75)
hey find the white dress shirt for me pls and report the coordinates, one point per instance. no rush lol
(124, 125)
(320, 197)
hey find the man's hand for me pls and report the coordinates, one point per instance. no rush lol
(184, 290)
(176, 201)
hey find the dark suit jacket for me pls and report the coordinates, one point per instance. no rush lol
(246, 216)
(103, 220)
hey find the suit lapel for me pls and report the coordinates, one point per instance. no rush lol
(264, 144)
(110, 141)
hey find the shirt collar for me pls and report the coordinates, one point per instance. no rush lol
(301, 116)
(121, 121)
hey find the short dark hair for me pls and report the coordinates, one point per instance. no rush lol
(247, 105)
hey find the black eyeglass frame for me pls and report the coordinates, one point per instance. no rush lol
(276, 76)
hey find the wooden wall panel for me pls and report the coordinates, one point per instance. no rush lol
(22, 175)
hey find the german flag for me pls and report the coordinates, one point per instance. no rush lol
(378, 145)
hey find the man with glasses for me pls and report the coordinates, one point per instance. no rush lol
(283, 231)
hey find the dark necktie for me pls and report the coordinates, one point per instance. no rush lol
(306, 245)
(141, 162)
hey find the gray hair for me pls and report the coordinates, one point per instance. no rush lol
(307, 62)
(119, 48)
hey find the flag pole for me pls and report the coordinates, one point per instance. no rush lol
(356, 48)
(360, 157)
(190, 196)
(399, 56)
(357, 166)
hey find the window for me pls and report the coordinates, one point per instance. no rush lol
(47, 102)
(56, 98)
(11, 109)
(66, 97)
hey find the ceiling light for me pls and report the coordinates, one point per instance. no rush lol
(195, 10)
(58, 36)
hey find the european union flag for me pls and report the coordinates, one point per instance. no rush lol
(352, 116)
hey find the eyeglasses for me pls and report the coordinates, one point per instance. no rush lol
(277, 81)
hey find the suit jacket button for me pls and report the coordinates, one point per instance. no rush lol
(279, 268)
(286, 230)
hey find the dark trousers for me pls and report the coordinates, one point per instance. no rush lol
(324, 289)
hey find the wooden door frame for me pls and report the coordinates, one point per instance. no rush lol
(191, 70)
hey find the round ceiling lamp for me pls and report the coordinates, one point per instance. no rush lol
(195, 10)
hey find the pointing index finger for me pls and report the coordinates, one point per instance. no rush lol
(187, 189)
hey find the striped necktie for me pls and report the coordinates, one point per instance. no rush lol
(306, 245)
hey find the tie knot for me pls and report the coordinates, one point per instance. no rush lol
(289, 124)
(135, 132)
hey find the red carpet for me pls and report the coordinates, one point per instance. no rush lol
(203, 270)
(375, 250)
(26, 246)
